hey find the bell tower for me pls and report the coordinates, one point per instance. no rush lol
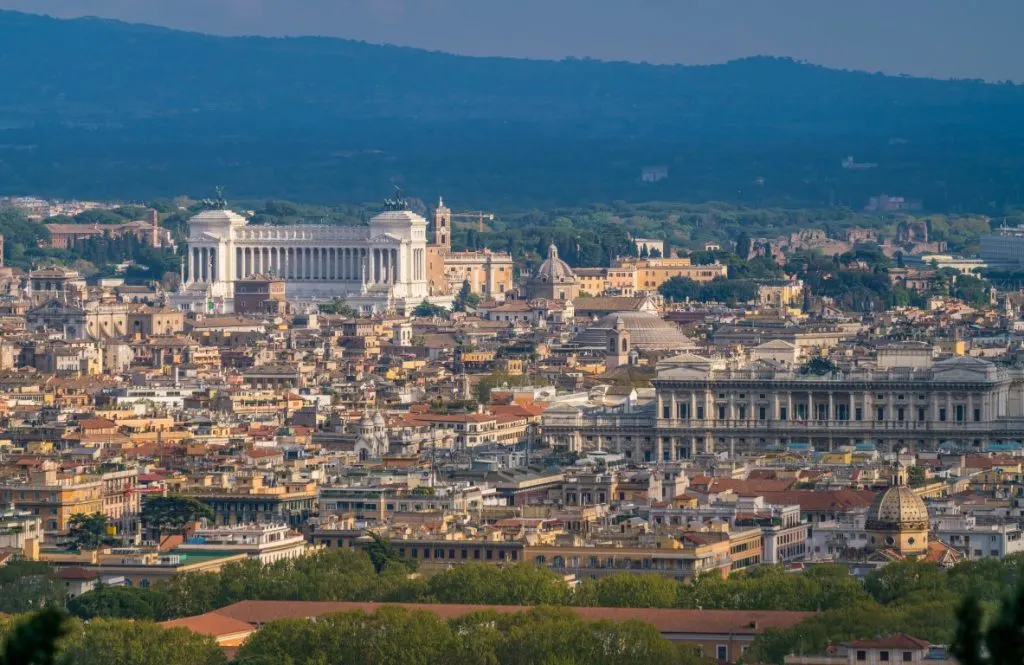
(619, 346)
(442, 225)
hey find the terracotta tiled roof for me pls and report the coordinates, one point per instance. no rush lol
(74, 573)
(260, 453)
(677, 622)
(213, 624)
(835, 500)
(519, 410)
(897, 641)
(751, 485)
(96, 423)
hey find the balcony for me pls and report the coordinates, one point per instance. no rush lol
(1005, 426)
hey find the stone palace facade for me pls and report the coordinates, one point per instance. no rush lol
(707, 405)
(375, 268)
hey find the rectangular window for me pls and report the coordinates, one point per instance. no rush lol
(721, 413)
(666, 411)
(782, 413)
(899, 414)
(722, 652)
(762, 413)
(883, 656)
(908, 657)
(942, 415)
(920, 414)
(880, 413)
(858, 413)
(959, 413)
(743, 413)
(977, 415)
(862, 655)
(700, 413)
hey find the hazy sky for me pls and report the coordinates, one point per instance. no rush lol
(944, 38)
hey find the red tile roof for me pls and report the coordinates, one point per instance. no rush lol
(213, 624)
(752, 485)
(830, 501)
(76, 573)
(674, 622)
(897, 641)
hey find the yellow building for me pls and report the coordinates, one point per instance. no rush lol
(898, 519)
(54, 499)
(620, 280)
(649, 274)
(781, 293)
(490, 274)
(672, 558)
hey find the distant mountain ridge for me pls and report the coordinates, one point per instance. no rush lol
(92, 84)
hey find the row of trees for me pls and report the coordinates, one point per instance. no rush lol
(729, 291)
(542, 636)
(49, 637)
(388, 636)
(23, 238)
(918, 598)
(383, 576)
(915, 597)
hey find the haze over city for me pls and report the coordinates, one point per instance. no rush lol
(468, 331)
(934, 38)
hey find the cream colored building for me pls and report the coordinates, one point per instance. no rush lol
(781, 293)
(376, 268)
(705, 405)
(649, 274)
(490, 274)
(619, 280)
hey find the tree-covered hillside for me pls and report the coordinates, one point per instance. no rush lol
(106, 109)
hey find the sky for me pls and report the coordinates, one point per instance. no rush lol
(938, 38)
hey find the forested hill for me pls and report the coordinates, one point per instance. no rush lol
(341, 117)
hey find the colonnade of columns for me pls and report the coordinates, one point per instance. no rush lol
(201, 265)
(358, 264)
(830, 406)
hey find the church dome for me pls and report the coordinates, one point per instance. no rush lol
(378, 419)
(554, 270)
(647, 332)
(897, 507)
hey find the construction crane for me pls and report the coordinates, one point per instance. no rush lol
(480, 217)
